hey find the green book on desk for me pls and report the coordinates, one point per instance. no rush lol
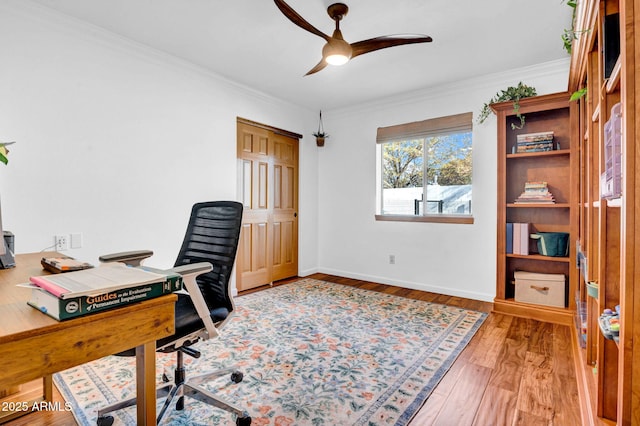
(103, 279)
(75, 305)
(62, 309)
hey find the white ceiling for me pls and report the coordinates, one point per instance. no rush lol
(252, 43)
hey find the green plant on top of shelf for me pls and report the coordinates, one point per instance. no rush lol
(568, 35)
(578, 94)
(511, 93)
(4, 152)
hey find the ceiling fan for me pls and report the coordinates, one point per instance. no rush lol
(337, 51)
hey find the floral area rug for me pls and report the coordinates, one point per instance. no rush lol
(312, 353)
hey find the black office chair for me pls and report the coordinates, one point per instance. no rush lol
(205, 262)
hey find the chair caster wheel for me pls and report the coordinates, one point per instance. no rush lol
(243, 421)
(180, 403)
(236, 377)
(108, 421)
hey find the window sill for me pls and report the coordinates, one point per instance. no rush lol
(440, 218)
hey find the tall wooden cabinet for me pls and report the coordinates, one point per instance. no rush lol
(558, 167)
(604, 61)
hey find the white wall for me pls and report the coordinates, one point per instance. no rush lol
(452, 259)
(117, 141)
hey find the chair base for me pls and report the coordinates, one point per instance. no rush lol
(190, 388)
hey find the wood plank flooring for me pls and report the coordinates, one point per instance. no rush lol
(514, 371)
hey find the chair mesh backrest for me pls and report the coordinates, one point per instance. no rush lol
(212, 236)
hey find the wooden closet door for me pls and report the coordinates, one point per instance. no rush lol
(268, 168)
(285, 208)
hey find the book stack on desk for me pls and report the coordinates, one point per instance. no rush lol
(60, 264)
(73, 294)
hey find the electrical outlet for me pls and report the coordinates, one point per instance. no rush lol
(76, 240)
(62, 242)
(392, 259)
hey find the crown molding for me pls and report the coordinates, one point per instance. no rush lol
(461, 88)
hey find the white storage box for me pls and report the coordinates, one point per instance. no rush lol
(540, 289)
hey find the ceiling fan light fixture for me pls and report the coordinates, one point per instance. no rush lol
(337, 59)
(337, 52)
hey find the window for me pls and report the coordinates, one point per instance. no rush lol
(424, 170)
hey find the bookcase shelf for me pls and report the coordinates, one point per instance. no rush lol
(558, 168)
(539, 206)
(539, 154)
(605, 64)
(539, 257)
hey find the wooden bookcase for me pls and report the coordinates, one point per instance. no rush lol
(559, 169)
(604, 60)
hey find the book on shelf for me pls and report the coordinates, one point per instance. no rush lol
(534, 147)
(518, 238)
(72, 307)
(534, 142)
(524, 238)
(509, 242)
(103, 279)
(534, 137)
(535, 192)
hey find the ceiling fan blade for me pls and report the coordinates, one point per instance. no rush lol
(299, 20)
(321, 65)
(377, 43)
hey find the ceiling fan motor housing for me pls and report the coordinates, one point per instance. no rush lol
(337, 11)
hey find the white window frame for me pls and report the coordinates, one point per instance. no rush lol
(460, 123)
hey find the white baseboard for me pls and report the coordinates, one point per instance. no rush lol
(484, 297)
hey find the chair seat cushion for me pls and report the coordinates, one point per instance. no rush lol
(187, 321)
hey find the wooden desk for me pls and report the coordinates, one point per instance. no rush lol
(34, 345)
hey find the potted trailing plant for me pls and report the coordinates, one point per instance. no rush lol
(509, 94)
(570, 34)
(320, 137)
(320, 134)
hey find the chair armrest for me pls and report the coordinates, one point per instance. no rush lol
(131, 258)
(194, 269)
(189, 274)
